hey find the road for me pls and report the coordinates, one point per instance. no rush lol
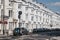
(26, 37)
(30, 37)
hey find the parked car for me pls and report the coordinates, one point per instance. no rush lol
(39, 30)
(45, 31)
(20, 31)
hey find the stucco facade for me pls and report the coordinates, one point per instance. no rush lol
(34, 15)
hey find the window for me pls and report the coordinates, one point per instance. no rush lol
(32, 18)
(2, 1)
(10, 4)
(32, 25)
(36, 26)
(32, 10)
(10, 13)
(43, 14)
(9, 0)
(26, 8)
(15, 24)
(40, 25)
(11, 26)
(2, 11)
(40, 12)
(46, 15)
(40, 18)
(46, 20)
(26, 25)
(19, 5)
(23, 24)
(26, 16)
(20, 24)
(36, 17)
(36, 12)
(43, 19)
(0, 6)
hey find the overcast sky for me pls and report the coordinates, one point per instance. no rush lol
(54, 5)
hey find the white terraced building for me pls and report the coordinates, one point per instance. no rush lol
(34, 15)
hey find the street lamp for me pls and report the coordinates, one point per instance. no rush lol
(19, 15)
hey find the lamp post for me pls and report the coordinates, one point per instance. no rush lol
(19, 15)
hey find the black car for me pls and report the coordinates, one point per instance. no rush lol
(41, 30)
(20, 31)
(45, 31)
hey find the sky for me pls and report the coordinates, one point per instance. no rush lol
(53, 5)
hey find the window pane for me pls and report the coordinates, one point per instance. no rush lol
(26, 16)
(11, 26)
(10, 13)
(32, 18)
(19, 5)
(2, 1)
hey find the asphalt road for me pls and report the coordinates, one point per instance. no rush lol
(30, 37)
(25, 37)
